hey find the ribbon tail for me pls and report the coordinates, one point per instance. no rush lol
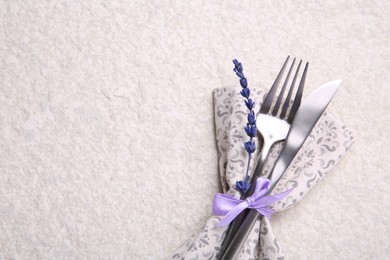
(232, 214)
(266, 211)
(269, 200)
(262, 205)
(223, 203)
(283, 194)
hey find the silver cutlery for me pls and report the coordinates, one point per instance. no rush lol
(273, 123)
(304, 121)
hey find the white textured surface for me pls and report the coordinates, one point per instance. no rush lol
(105, 103)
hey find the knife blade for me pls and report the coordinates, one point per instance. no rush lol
(305, 119)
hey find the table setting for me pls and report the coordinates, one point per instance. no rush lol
(299, 156)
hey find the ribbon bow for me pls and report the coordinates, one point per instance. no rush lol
(230, 207)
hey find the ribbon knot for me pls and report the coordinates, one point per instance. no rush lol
(230, 207)
(249, 201)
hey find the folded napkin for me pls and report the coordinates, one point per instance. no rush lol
(328, 142)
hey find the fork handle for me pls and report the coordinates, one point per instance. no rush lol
(259, 167)
(236, 223)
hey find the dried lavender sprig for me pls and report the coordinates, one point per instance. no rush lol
(250, 128)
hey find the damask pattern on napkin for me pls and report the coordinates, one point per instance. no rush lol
(328, 142)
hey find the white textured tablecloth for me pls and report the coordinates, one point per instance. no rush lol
(104, 103)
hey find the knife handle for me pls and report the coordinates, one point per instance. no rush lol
(242, 234)
(236, 223)
(232, 230)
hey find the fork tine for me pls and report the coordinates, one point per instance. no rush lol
(265, 107)
(298, 95)
(281, 94)
(288, 98)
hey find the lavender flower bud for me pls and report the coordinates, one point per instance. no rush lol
(249, 104)
(251, 118)
(250, 146)
(250, 130)
(245, 92)
(240, 75)
(243, 186)
(237, 66)
(243, 82)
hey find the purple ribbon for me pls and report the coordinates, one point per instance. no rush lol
(230, 207)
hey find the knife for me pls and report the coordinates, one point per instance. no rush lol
(305, 119)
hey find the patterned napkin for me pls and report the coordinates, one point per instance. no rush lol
(328, 142)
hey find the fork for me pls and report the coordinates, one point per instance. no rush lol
(273, 123)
